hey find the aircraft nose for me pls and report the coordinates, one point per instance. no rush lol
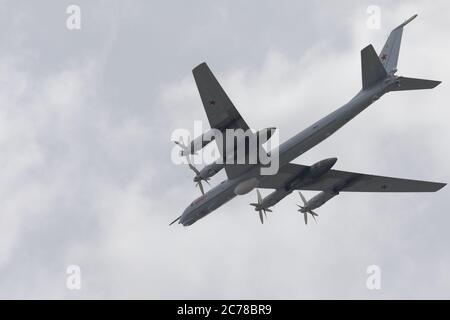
(184, 218)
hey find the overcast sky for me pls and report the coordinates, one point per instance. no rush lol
(86, 118)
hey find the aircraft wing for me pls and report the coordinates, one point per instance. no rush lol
(347, 181)
(220, 111)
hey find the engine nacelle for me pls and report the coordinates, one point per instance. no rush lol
(312, 173)
(319, 199)
(199, 143)
(203, 140)
(246, 186)
(320, 168)
(275, 197)
(210, 170)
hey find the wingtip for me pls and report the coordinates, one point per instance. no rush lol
(435, 83)
(412, 18)
(200, 66)
(407, 21)
(440, 186)
(367, 47)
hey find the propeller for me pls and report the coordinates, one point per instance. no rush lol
(305, 210)
(259, 208)
(198, 179)
(184, 148)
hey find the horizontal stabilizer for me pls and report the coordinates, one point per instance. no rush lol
(371, 66)
(415, 84)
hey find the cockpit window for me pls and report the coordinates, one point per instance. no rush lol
(199, 199)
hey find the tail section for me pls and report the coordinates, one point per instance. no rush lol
(371, 66)
(376, 68)
(391, 49)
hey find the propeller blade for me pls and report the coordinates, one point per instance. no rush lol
(197, 173)
(188, 159)
(199, 184)
(184, 148)
(193, 168)
(305, 213)
(180, 144)
(303, 198)
(259, 196)
(262, 211)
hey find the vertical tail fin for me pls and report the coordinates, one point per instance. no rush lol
(371, 67)
(391, 49)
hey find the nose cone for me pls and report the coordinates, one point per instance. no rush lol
(184, 217)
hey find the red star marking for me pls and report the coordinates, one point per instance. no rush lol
(383, 56)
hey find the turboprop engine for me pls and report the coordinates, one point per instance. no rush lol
(204, 139)
(320, 168)
(212, 169)
(315, 202)
(246, 186)
(262, 206)
(197, 144)
(208, 171)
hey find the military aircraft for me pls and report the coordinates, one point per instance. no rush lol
(378, 78)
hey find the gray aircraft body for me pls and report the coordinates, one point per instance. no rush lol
(378, 78)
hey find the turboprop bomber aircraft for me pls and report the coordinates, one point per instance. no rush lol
(378, 78)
